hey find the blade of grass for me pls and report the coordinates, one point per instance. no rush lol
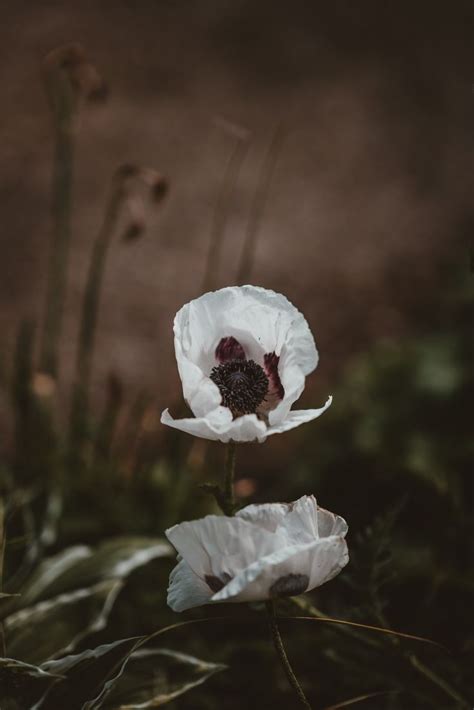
(221, 212)
(63, 104)
(259, 201)
(359, 699)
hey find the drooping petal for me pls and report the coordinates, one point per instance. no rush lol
(296, 417)
(219, 425)
(186, 590)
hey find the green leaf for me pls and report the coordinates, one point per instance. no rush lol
(22, 685)
(153, 677)
(44, 577)
(54, 627)
(87, 675)
(80, 566)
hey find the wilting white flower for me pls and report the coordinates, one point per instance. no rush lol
(263, 552)
(243, 354)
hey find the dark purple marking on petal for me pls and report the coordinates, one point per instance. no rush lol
(215, 584)
(229, 349)
(289, 586)
(270, 365)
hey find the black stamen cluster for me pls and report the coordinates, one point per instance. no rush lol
(243, 385)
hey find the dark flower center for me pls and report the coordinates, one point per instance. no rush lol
(243, 385)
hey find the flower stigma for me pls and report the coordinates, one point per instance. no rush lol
(243, 385)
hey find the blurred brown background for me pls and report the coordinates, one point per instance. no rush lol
(369, 194)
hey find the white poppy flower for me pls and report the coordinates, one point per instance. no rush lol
(243, 354)
(263, 552)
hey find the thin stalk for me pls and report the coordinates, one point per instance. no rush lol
(90, 310)
(280, 649)
(439, 682)
(221, 212)
(3, 648)
(228, 501)
(258, 206)
(63, 107)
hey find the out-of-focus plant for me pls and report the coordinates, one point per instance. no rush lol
(52, 605)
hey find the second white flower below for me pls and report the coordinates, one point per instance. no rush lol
(265, 551)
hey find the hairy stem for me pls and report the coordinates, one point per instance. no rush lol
(280, 649)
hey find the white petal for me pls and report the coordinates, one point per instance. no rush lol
(201, 394)
(218, 425)
(186, 590)
(297, 417)
(331, 524)
(297, 521)
(329, 557)
(301, 521)
(221, 546)
(319, 561)
(266, 515)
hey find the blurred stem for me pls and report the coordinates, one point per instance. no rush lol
(222, 211)
(280, 649)
(3, 649)
(228, 500)
(63, 106)
(257, 208)
(90, 310)
(440, 682)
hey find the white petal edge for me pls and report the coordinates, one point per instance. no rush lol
(186, 590)
(297, 417)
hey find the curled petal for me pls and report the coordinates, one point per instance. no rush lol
(296, 417)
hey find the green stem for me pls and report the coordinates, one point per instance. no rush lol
(228, 501)
(280, 649)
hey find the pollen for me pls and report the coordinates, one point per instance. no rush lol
(243, 385)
